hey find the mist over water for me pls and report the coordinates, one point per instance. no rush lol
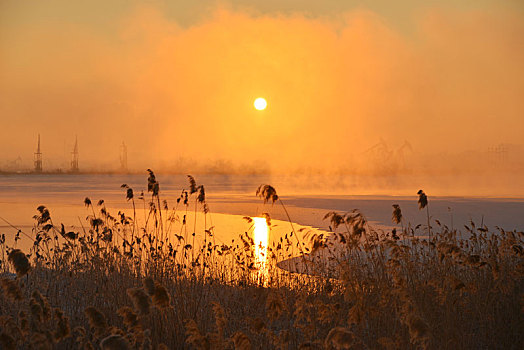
(307, 201)
(348, 94)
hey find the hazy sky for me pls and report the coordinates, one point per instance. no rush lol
(178, 78)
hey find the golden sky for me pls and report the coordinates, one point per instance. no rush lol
(178, 79)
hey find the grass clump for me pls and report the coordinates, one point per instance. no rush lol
(124, 283)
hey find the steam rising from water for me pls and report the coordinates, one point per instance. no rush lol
(346, 92)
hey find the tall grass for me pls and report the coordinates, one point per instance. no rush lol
(124, 283)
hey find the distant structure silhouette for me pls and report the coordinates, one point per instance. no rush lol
(400, 154)
(498, 154)
(385, 159)
(74, 158)
(123, 157)
(380, 151)
(38, 157)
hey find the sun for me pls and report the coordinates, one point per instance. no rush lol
(260, 104)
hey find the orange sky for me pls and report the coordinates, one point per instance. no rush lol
(446, 79)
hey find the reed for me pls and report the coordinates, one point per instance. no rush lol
(118, 284)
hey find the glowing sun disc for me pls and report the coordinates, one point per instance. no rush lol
(260, 104)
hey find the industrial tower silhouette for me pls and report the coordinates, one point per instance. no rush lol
(38, 158)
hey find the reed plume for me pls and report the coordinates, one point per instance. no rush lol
(36, 312)
(423, 203)
(201, 194)
(220, 318)
(160, 297)
(257, 325)
(20, 262)
(195, 337)
(217, 338)
(241, 341)
(11, 334)
(141, 301)
(129, 316)
(342, 338)
(418, 330)
(115, 342)
(422, 199)
(11, 289)
(152, 184)
(149, 285)
(267, 193)
(63, 329)
(44, 304)
(274, 306)
(41, 341)
(97, 321)
(397, 214)
(193, 188)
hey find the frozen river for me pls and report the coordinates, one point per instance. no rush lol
(64, 195)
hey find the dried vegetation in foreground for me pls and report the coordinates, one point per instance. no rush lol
(115, 285)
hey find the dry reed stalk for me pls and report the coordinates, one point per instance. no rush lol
(24, 322)
(11, 289)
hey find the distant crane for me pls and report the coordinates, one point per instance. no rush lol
(380, 152)
(38, 157)
(123, 157)
(399, 153)
(384, 158)
(74, 158)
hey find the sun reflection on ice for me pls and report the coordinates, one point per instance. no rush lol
(261, 237)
